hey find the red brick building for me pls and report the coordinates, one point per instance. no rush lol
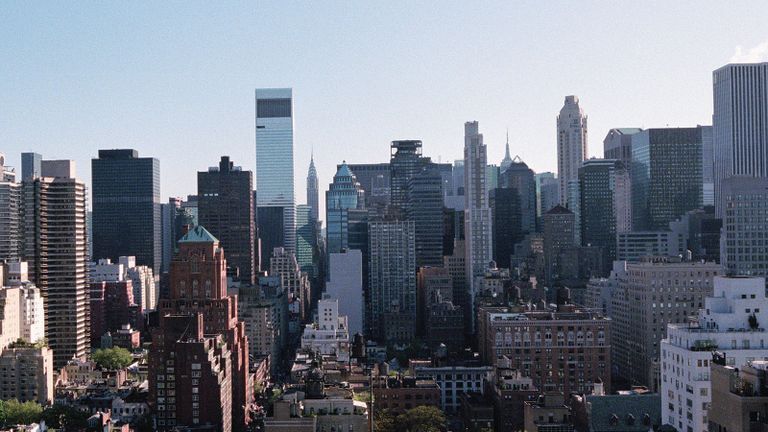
(112, 306)
(198, 362)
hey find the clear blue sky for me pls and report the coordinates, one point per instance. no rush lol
(175, 80)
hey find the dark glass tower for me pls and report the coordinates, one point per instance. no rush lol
(666, 175)
(425, 208)
(225, 208)
(406, 161)
(505, 208)
(126, 207)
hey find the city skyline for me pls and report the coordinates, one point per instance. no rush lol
(163, 108)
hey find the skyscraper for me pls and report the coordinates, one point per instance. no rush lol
(274, 160)
(343, 195)
(198, 361)
(392, 280)
(126, 207)
(739, 124)
(55, 246)
(519, 177)
(424, 206)
(507, 161)
(559, 234)
(605, 204)
(225, 208)
(405, 162)
(571, 144)
(10, 213)
(666, 175)
(743, 244)
(505, 208)
(313, 199)
(477, 219)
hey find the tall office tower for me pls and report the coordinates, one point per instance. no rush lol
(313, 198)
(225, 209)
(666, 175)
(126, 207)
(198, 361)
(424, 206)
(522, 179)
(743, 244)
(547, 193)
(505, 211)
(343, 194)
(392, 280)
(606, 207)
(739, 124)
(491, 177)
(405, 162)
(346, 282)
(571, 144)
(730, 322)
(306, 239)
(54, 244)
(10, 214)
(477, 214)
(264, 309)
(274, 161)
(618, 144)
(375, 181)
(652, 294)
(574, 205)
(559, 234)
(30, 165)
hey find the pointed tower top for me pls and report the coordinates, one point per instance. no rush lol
(507, 161)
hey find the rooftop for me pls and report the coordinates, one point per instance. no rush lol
(198, 234)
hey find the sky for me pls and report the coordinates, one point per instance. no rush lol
(176, 80)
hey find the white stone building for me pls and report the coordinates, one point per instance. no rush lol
(142, 279)
(329, 334)
(731, 322)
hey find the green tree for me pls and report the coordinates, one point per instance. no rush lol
(421, 419)
(113, 358)
(384, 421)
(13, 412)
(65, 417)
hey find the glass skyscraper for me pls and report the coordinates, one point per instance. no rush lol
(126, 207)
(274, 157)
(666, 175)
(343, 194)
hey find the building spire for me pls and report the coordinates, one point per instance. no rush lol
(507, 161)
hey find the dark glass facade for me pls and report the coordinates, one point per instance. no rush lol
(424, 207)
(225, 209)
(270, 226)
(507, 227)
(666, 176)
(126, 207)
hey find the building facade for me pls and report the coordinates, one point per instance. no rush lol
(225, 207)
(313, 190)
(344, 194)
(198, 361)
(10, 213)
(730, 321)
(666, 175)
(654, 293)
(744, 247)
(571, 144)
(565, 349)
(274, 159)
(126, 207)
(55, 246)
(478, 230)
(346, 282)
(392, 280)
(738, 123)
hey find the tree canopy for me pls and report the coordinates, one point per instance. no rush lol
(113, 358)
(420, 419)
(13, 412)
